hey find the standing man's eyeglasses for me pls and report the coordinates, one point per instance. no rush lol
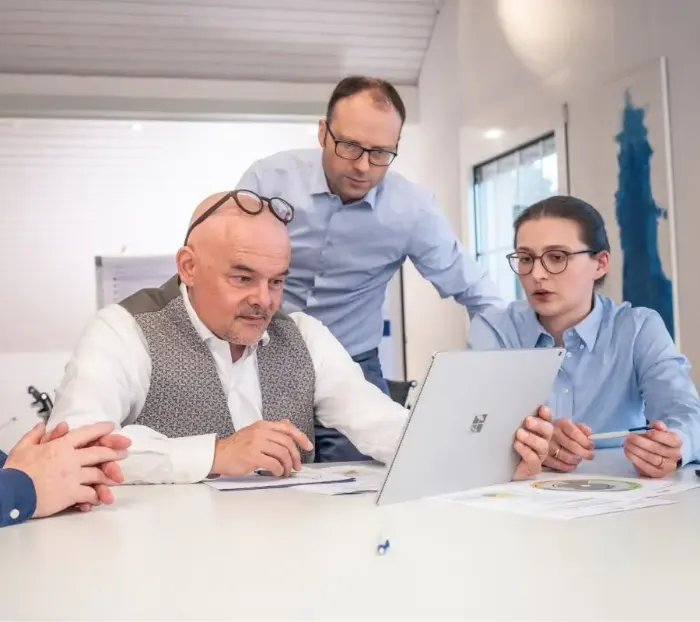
(554, 261)
(255, 204)
(352, 151)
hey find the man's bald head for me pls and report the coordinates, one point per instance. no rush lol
(234, 264)
(226, 206)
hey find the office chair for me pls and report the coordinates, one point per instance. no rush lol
(42, 402)
(399, 390)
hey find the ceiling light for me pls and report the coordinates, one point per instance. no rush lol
(493, 133)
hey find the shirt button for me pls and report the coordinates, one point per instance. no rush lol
(580, 347)
(14, 514)
(566, 391)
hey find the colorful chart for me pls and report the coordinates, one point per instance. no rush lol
(587, 485)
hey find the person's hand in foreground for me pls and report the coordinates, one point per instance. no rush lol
(110, 469)
(70, 467)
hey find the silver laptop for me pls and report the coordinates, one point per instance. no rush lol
(460, 432)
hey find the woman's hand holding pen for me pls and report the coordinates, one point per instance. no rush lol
(656, 453)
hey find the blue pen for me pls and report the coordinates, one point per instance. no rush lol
(264, 473)
(306, 474)
(383, 547)
(620, 433)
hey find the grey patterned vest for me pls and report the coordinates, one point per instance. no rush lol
(186, 398)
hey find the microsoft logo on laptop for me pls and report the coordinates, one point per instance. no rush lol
(478, 423)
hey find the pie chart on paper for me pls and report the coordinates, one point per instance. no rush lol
(587, 485)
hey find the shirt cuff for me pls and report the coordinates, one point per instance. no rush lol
(191, 457)
(19, 503)
(687, 453)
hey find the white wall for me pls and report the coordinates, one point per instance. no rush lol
(72, 189)
(433, 324)
(520, 60)
(19, 370)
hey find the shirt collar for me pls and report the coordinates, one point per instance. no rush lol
(319, 185)
(533, 332)
(202, 330)
(587, 329)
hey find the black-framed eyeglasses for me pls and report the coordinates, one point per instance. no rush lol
(278, 206)
(553, 261)
(352, 151)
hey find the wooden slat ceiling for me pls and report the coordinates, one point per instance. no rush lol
(288, 40)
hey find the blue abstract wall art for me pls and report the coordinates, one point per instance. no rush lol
(644, 283)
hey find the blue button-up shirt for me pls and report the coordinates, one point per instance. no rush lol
(343, 256)
(17, 495)
(621, 368)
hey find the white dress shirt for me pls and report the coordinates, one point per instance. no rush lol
(109, 376)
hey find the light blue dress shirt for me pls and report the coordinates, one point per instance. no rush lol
(621, 368)
(343, 256)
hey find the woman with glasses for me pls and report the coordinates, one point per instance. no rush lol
(621, 370)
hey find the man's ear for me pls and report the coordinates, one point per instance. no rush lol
(322, 130)
(186, 265)
(603, 264)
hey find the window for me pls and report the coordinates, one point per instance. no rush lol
(503, 188)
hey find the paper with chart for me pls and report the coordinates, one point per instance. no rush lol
(574, 496)
(305, 477)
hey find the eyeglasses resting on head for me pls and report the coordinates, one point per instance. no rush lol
(251, 203)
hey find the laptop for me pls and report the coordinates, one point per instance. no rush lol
(460, 431)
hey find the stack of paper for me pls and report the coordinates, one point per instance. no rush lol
(305, 477)
(363, 479)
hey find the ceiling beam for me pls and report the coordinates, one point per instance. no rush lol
(30, 95)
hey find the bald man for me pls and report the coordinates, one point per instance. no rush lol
(206, 376)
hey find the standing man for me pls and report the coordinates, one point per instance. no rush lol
(355, 225)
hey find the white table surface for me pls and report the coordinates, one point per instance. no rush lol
(193, 553)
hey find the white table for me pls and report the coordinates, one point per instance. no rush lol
(190, 552)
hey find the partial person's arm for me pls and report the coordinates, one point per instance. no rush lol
(108, 379)
(482, 336)
(440, 258)
(344, 400)
(667, 390)
(250, 180)
(17, 495)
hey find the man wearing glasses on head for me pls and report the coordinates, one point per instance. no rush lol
(355, 225)
(206, 377)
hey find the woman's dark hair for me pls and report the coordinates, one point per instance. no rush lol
(381, 90)
(590, 223)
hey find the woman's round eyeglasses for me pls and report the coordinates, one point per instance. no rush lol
(553, 261)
